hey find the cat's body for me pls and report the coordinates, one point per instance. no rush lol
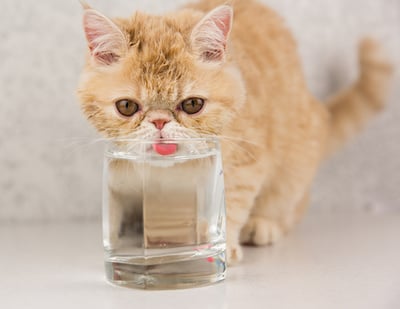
(273, 131)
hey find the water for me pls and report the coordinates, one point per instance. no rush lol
(164, 218)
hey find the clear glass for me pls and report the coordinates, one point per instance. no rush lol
(164, 213)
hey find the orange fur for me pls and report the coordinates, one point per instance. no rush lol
(274, 132)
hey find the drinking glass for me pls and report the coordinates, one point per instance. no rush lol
(164, 213)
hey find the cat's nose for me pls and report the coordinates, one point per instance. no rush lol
(160, 123)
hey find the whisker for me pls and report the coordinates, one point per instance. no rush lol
(233, 142)
(240, 148)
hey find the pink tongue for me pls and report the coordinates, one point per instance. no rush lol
(165, 149)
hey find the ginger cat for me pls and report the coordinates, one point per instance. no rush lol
(232, 72)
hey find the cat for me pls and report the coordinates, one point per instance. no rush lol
(230, 71)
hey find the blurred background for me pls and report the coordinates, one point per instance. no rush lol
(51, 159)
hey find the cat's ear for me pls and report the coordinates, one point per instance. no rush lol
(106, 41)
(209, 37)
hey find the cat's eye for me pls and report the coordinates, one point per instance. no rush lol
(192, 106)
(127, 107)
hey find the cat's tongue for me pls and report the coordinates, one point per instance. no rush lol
(165, 149)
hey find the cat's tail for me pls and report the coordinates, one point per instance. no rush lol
(351, 109)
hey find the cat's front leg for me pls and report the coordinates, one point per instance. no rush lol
(276, 210)
(241, 186)
(115, 213)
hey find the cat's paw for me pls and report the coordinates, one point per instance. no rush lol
(260, 231)
(234, 253)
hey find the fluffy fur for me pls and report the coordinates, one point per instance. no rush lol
(274, 133)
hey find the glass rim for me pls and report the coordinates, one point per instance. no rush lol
(163, 140)
(144, 148)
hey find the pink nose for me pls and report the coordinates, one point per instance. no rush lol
(160, 123)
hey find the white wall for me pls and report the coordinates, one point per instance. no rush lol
(51, 164)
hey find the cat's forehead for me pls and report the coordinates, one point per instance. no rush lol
(159, 55)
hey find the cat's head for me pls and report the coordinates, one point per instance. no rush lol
(152, 77)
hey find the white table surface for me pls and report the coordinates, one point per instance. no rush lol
(329, 261)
